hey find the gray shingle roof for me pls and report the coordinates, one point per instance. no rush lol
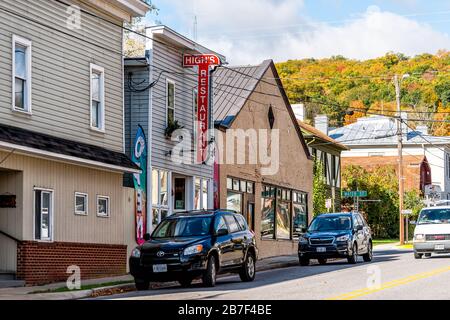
(44, 142)
(380, 130)
(232, 88)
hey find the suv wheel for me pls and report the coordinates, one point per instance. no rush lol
(353, 259)
(304, 262)
(417, 255)
(369, 255)
(142, 285)
(248, 271)
(209, 277)
(322, 261)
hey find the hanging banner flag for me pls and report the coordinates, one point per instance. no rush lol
(204, 62)
(139, 157)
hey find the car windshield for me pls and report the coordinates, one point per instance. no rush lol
(183, 227)
(434, 216)
(325, 223)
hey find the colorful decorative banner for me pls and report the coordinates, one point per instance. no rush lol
(204, 62)
(139, 157)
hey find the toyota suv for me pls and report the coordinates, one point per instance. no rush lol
(432, 232)
(196, 244)
(337, 235)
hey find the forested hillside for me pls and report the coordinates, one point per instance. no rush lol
(336, 85)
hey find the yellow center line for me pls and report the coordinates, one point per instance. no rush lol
(388, 285)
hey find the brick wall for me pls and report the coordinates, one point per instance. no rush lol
(411, 167)
(41, 263)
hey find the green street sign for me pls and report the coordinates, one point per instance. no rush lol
(354, 194)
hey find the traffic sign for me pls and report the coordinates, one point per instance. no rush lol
(407, 212)
(355, 194)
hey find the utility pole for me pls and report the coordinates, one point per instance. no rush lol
(400, 158)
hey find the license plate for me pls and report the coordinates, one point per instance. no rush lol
(321, 249)
(439, 247)
(158, 268)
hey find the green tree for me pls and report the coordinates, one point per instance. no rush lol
(381, 184)
(134, 43)
(319, 189)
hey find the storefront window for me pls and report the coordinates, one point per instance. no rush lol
(300, 219)
(164, 189)
(155, 184)
(234, 201)
(283, 215)
(160, 196)
(267, 214)
(201, 195)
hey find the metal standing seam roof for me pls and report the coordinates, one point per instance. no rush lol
(232, 89)
(381, 131)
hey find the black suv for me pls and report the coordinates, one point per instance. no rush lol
(196, 244)
(337, 235)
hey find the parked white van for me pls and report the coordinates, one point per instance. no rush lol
(432, 233)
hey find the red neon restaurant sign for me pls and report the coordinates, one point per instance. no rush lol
(204, 62)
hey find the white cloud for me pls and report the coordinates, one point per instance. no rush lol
(249, 31)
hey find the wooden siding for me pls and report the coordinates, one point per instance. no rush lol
(66, 179)
(60, 71)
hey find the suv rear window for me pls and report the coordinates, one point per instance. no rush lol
(242, 223)
(232, 223)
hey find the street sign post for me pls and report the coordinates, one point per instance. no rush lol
(355, 194)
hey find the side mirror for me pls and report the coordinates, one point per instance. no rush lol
(413, 223)
(147, 237)
(359, 228)
(222, 232)
(304, 230)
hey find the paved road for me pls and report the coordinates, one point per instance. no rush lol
(394, 274)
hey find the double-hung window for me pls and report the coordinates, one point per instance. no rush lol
(97, 98)
(43, 214)
(170, 103)
(21, 81)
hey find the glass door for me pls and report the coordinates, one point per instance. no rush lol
(180, 194)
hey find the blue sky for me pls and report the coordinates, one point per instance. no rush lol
(251, 30)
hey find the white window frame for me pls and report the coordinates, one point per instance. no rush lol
(52, 214)
(86, 196)
(158, 206)
(209, 194)
(447, 165)
(169, 81)
(28, 60)
(97, 69)
(108, 213)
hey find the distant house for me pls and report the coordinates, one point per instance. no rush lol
(251, 100)
(325, 149)
(373, 142)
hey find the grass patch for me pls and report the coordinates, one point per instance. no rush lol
(86, 287)
(377, 242)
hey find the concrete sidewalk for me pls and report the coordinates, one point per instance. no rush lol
(38, 293)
